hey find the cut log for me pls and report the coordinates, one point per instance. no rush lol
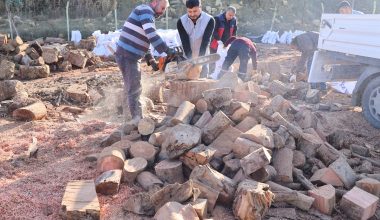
(77, 58)
(324, 199)
(200, 155)
(17, 41)
(241, 113)
(293, 130)
(359, 204)
(181, 138)
(283, 163)
(215, 127)
(344, 171)
(313, 96)
(278, 88)
(326, 155)
(369, 185)
(284, 196)
(21, 48)
(184, 113)
(172, 193)
(80, 201)
(146, 126)
(299, 159)
(207, 192)
(200, 207)
(88, 44)
(224, 185)
(140, 204)
(224, 143)
(218, 97)
(203, 120)
(7, 69)
(247, 124)
(255, 160)
(133, 167)
(231, 167)
(176, 211)
(36, 111)
(243, 147)
(37, 62)
(111, 158)
(145, 150)
(50, 54)
(264, 174)
(261, 135)
(158, 138)
(34, 72)
(191, 91)
(108, 182)
(303, 202)
(170, 171)
(51, 40)
(252, 200)
(149, 181)
(302, 179)
(201, 106)
(279, 213)
(309, 144)
(326, 176)
(3, 39)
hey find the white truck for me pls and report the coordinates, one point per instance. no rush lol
(349, 50)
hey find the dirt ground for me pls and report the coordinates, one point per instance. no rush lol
(32, 188)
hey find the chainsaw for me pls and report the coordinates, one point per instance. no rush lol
(180, 68)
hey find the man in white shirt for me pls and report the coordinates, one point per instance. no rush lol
(344, 7)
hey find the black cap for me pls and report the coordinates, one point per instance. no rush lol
(344, 4)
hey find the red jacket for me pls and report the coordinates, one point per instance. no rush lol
(220, 26)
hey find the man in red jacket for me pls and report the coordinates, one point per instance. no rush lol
(225, 27)
(243, 48)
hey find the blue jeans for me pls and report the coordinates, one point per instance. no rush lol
(321, 85)
(130, 70)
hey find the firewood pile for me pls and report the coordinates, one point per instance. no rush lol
(244, 146)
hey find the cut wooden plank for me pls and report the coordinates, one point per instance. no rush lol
(36, 111)
(80, 201)
(170, 171)
(133, 167)
(184, 113)
(252, 200)
(146, 126)
(108, 182)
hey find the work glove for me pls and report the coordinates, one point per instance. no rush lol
(171, 53)
(151, 61)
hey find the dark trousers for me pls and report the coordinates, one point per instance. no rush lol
(232, 54)
(130, 70)
(322, 85)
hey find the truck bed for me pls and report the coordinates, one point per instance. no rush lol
(351, 34)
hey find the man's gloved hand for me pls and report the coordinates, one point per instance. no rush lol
(151, 61)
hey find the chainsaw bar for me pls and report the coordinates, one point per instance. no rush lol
(202, 60)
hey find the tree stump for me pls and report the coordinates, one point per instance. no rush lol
(170, 171)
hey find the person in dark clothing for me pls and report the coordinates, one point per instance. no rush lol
(307, 43)
(243, 48)
(225, 27)
(195, 30)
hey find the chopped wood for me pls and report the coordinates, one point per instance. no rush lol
(149, 181)
(139, 203)
(146, 126)
(36, 111)
(111, 158)
(184, 113)
(170, 171)
(108, 182)
(172, 193)
(133, 167)
(145, 150)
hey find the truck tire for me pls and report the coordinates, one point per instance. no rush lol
(371, 102)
